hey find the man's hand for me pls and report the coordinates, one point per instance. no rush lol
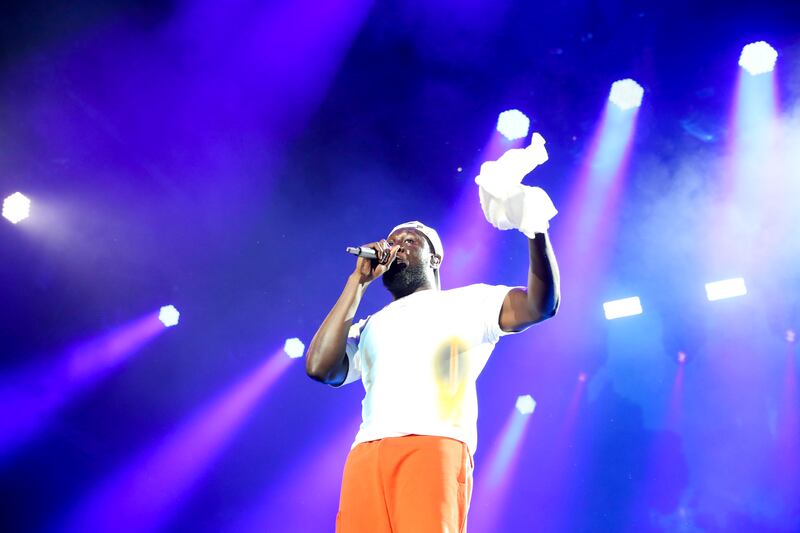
(367, 270)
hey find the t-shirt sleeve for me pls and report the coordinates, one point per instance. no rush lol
(492, 304)
(353, 353)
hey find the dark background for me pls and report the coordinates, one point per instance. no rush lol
(219, 156)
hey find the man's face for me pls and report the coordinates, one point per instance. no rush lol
(409, 271)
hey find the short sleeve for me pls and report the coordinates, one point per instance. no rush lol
(353, 352)
(492, 303)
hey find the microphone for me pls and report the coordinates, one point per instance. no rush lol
(362, 251)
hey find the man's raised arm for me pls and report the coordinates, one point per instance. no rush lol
(326, 358)
(540, 302)
(508, 204)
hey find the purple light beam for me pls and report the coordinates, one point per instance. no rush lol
(145, 494)
(492, 487)
(30, 396)
(600, 179)
(306, 497)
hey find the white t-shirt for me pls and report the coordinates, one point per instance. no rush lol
(419, 358)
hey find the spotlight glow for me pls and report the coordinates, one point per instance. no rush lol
(513, 124)
(791, 336)
(626, 94)
(16, 207)
(168, 315)
(622, 308)
(726, 288)
(582, 377)
(294, 348)
(758, 58)
(681, 357)
(526, 404)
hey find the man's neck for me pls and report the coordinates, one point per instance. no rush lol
(426, 287)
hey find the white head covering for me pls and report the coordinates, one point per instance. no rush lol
(433, 240)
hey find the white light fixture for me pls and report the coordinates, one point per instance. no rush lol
(726, 288)
(526, 404)
(169, 316)
(16, 207)
(513, 124)
(294, 348)
(626, 94)
(622, 308)
(758, 58)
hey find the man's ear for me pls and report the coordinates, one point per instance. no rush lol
(436, 261)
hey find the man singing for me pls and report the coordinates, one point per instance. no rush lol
(410, 467)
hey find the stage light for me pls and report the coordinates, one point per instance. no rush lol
(513, 124)
(791, 336)
(294, 348)
(758, 58)
(168, 315)
(582, 377)
(681, 357)
(622, 308)
(526, 404)
(626, 94)
(726, 288)
(16, 207)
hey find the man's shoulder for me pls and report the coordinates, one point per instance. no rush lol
(476, 288)
(476, 292)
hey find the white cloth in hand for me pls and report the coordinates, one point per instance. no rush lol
(506, 203)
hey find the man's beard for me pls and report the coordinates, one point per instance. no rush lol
(404, 279)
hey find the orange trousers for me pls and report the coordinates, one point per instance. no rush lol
(412, 484)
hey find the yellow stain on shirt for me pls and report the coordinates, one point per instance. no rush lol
(451, 371)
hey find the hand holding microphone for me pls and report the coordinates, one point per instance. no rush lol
(373, 259)
(362, 251)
